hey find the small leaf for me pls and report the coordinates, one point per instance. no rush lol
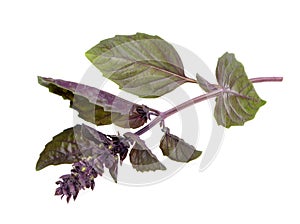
(239, 101)
(62, 149)
(177, 149)
(141, 157)
(95, 148)
(205, 85)
(144, 65)
(113, 170)
(97, 106)
(101, 158)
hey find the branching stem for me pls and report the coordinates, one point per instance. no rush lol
(163, 115)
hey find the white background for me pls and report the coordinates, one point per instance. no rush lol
(255, 178)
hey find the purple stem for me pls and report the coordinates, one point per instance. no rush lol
(266, 79)
(163, 115)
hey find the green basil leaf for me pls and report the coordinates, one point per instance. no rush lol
(144, 65)
(239, 101)
(141, 157)
(177, 149)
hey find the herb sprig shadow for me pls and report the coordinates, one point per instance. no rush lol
(149, 67)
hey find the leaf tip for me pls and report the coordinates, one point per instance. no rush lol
(38, 166)
(43, 81)
(162, 167)
(41, 163)
(195, 155)
(90, 56)
(40, 79)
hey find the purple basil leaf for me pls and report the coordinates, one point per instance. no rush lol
(62, 149)
(177, 149)
(141, 157)
(239, 101)
(113, 170)
(97, 106)
(97, 149)
(144, 65)
(70, 146)
(93, 135)
(81, 143)
(103, 158)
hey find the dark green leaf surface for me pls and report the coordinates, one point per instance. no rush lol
(239, 101)
(177, 149)
(141, 157)
(144, 65)
(97, 106)
(62, 149)
(80, 143)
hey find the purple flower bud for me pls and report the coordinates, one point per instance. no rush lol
(119, 146)
(81, 177)
(98, 151)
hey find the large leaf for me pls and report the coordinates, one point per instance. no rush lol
(239, 101)
(144, 65)
(141, 157)
(97, 106)
(62, 149)
(177, 149)
(80, 143)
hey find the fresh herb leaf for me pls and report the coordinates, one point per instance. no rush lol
(141, 157)
(97, 106)
(238, 101)
(177, 149)
(144, 65)
(102, 150)
(61, 150)
(85, 143)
